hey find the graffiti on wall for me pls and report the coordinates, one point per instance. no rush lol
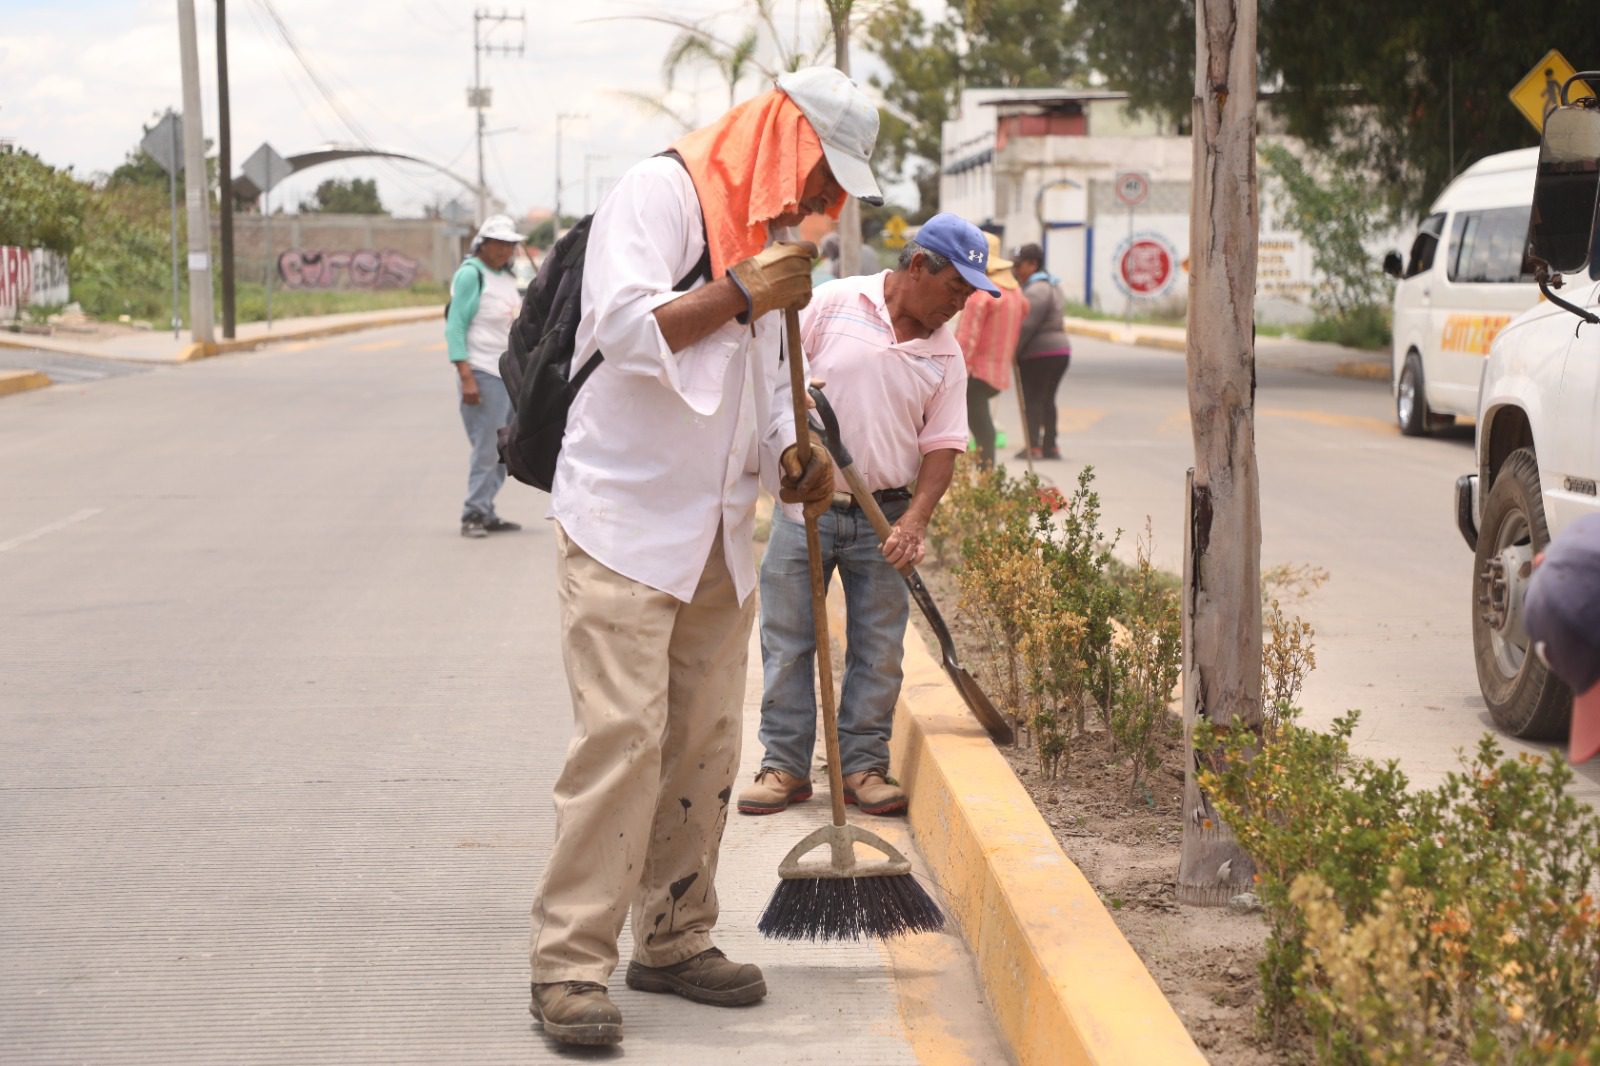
(305, 268)
(31, 277)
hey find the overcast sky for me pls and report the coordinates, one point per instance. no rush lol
(78, 78)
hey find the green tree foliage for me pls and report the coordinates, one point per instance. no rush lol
(1337, 215)
(977, 44)
(358, 196)
(1386, 88)
(40, 206)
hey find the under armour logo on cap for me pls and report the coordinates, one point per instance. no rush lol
(974, 256)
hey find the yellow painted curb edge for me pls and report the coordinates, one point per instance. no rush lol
(1064, 984)
(202, 350)
(15, 381)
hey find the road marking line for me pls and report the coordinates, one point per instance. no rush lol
(377, 346)
(43, 531)
(441, 346)
(1078, 419)
(1327, 418)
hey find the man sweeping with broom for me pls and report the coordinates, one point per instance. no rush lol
(654, 499)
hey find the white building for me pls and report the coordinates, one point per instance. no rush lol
(1042, 165)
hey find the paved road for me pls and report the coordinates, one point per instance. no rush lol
(276, 745)
(1341, 489)
(65, 369)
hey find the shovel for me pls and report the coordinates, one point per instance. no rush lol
(988, 716)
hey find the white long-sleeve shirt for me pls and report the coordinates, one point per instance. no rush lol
(662, 448)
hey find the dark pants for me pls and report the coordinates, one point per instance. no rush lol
(979, 419)
(1041, 377)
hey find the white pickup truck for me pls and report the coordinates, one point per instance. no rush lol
(1538, 430)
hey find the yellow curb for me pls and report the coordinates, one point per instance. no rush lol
(1366, 371)
(15, 381)
(1065, 986)
(202, 350)
(1160, 340)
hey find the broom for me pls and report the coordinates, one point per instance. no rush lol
(842, 897)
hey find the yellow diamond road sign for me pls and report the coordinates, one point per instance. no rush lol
(894, 232)
(1539, 93)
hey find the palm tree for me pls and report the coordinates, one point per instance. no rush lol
(732, 61)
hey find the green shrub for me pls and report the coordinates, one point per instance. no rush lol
(1486, 883)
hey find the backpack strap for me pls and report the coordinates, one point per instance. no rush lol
(702, 268)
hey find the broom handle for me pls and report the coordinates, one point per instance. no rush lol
(819, 588)
(1022, 407)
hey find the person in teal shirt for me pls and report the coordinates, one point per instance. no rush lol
(483, 304)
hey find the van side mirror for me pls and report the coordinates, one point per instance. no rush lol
(1393, 265)
(1566, 192)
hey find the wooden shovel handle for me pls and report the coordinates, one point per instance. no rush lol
(819, 587)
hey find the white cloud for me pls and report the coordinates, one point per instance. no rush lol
(76, 90)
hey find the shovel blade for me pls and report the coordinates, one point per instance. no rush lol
(996, 724)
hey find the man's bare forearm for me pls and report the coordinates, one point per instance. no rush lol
(933, 478)
(696, 315)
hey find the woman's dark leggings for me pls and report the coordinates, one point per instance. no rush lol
(980, 421)
(1041, 377)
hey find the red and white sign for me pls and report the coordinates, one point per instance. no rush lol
(1146, 265)
(1133, 187)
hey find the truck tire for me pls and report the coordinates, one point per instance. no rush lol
(1411, 399)
(1523, 697)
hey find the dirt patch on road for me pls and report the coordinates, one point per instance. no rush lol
(1205, 960)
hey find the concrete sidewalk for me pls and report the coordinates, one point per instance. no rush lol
(159, 346)
(1281, 352)
(278, 749)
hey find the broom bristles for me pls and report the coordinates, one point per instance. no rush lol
(849, 908)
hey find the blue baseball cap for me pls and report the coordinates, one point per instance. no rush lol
(963, 244)
(1562, 616)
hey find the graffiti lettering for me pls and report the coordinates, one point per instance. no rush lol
(31, 278)
(304, 268)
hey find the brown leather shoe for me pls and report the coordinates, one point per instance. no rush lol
(874, 793)
(773, 791)
(577, 1012)
(708, 977)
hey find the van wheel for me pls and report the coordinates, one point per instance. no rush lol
(1411, 399)
(1523, 697)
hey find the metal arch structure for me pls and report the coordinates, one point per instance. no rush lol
(245, 189)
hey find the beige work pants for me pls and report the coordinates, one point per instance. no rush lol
(657, 696)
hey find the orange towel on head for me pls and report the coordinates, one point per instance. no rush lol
(749, 167)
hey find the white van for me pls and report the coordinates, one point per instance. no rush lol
(1461, 285)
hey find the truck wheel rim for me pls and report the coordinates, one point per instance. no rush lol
(1407, 400)
(1504, 582)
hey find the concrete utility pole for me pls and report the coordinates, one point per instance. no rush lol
(561, 119)
(1222, 564)
(225, 169)
(478, 96)
(850, 217)
(197, 195)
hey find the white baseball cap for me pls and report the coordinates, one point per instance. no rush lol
(846, 122)
(498, 228)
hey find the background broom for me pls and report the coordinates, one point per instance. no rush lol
(841, 897)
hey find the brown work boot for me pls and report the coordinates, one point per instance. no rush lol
(706, 978)
(577, 1012)
(874, 792)
(773, 791)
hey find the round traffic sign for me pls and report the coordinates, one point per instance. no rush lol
(1146, 265)
(1133, 187)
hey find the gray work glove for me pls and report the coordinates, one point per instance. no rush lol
(777, 278)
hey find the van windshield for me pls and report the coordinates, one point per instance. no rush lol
(1487, 246)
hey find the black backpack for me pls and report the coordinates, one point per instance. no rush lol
(537, 367)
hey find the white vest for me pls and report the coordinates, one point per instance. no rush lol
(498, 305)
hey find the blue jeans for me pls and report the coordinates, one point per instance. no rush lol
(483, 420)
(876, 608)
